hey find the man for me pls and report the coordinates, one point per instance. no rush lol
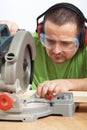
(60, 63)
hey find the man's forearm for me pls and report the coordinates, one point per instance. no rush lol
(79, 84)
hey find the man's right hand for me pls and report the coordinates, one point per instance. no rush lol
(13, 27)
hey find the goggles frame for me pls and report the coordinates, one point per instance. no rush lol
(66, 44)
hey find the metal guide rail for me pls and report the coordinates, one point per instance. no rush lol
(30, 109)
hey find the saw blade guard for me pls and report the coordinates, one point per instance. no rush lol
(17, 70)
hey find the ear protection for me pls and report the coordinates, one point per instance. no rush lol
(83, 36)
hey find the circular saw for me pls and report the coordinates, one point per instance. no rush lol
(17, 54)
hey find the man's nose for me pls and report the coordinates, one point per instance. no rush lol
(57, 48)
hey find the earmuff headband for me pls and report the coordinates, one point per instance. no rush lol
(64, 5)
(67, 6)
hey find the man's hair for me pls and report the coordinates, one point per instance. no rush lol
(61, 16)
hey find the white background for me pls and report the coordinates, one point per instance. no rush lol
(25, 12)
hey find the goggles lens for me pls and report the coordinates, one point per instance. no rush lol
(65, 43)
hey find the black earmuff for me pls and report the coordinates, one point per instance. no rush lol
(83, 36)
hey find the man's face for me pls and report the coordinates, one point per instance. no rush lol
(61, 39)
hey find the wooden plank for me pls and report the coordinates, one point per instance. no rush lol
(80, 96)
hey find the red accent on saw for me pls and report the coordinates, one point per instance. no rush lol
(49, 96)
(6, 101)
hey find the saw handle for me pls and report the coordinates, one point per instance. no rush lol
(4, 30)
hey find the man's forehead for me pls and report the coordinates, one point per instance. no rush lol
(63, 31)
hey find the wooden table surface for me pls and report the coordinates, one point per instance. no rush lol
(77, 122)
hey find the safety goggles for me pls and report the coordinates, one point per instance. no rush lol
(67, 44)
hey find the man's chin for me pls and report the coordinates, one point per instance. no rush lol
(58, 61)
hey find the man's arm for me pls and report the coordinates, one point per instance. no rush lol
(13, 27)
(61, 85)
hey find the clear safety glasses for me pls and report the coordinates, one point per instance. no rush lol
(66, 44)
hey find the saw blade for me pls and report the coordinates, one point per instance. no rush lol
(25, 80)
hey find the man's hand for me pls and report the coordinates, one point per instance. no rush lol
(13, 27)
(53, 87)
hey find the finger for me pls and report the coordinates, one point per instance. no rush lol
(38, 92)
(44, 90)
(56, 90)
(51, 87)
(41, 90)
(14, 30)
(48, 87)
